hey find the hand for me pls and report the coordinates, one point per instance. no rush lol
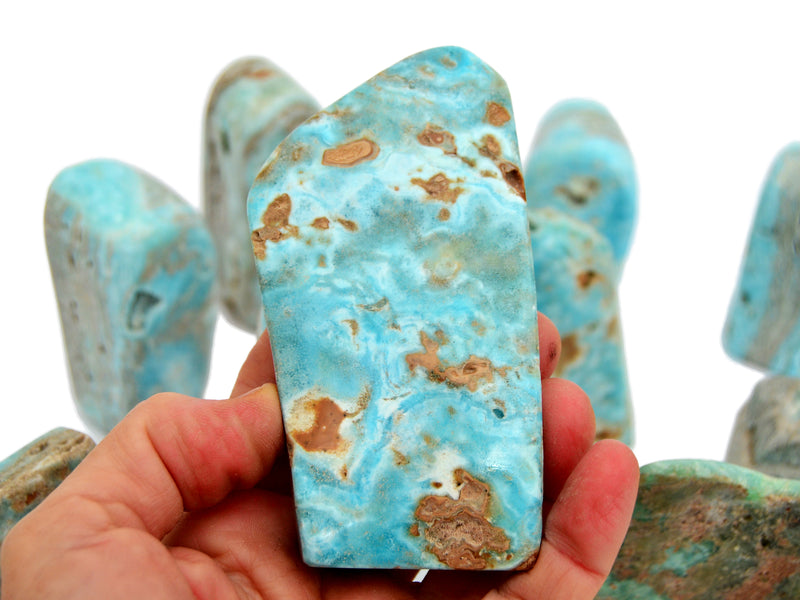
(190, 498)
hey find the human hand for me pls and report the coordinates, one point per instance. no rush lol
(191, 498)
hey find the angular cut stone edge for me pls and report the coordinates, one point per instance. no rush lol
(392, 246)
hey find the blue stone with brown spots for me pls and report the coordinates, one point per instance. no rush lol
(392, 246)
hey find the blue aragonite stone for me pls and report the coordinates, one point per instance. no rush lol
(766, 436)
(392, 246)
(252, 107)
(576, 288)
(134, 270)
(30, 474)
(580, 164)
(763, 325)
(705, 530)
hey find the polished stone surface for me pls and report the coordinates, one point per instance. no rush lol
(391, 240)
(580, 164)
(252, 106)
(766, 436)
(134, 270)
(763, 325)
(576, 287)
(705, 530)
(31, 473)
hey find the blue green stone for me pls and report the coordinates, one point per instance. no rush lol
(705, 530)
(134, 270)
(580, 164)
(763, 325)
(576, 287)
(252, 107)
(766, 436)
(392, 246)
(31, 473)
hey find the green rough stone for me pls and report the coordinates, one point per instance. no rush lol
(252, 107)
(766, 436)
(705, 530)
(31, 473)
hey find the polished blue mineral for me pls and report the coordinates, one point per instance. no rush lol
(763, 324)
(576, 288)
(392, 245)
(252, 107)
(580, 164)
(31, 473)
(134, 270)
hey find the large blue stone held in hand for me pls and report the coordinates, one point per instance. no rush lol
(392, 246)
(763, 325)
(580, 164)
(134, 270)
(31, 473)
(252, 107)
(576, 288)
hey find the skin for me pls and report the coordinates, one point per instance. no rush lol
(190, 498)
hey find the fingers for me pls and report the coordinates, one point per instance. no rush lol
(568, 431)
(174, 454)
(257, 369)
(549, 346)
(585, 528)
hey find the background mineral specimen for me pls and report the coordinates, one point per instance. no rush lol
(252, 107)
(766, 436)
(580, 164)
(576, 287)
(30, 474)
(391, 241)
(134, 270)
(763, 325)
(704, 530)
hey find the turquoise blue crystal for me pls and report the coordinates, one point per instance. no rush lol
(31, 473)
(576, 288)
(252, 107)
(712, 531)
(766, 435)
(580, 164)
(763, 325)
(392, 246)
(134, 270)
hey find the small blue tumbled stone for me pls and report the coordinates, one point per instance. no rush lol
(763, 325)
(252, 107)
(575, 286)
(393, 251)
(31, 473)
(580, 164)
(134, 270)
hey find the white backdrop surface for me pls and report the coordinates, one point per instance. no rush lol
(706, 94)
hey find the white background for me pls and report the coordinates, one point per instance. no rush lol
(706, 94)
